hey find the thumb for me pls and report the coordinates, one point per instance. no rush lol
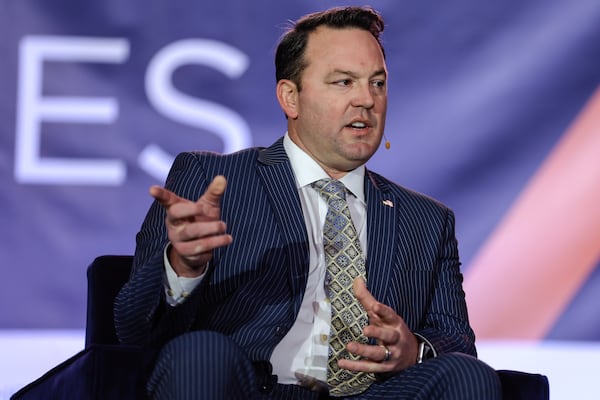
(215, 191)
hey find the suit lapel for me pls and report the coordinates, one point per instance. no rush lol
(381, 236)
(278, 179)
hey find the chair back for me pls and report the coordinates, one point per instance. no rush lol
(106, 275)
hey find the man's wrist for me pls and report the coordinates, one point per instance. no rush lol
(182, 267)
(178, 288)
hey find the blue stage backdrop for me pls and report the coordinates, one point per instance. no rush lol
(492, 110)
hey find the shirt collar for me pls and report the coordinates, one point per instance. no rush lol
(307, 170)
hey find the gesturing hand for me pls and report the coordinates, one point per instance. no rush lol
(390, 331)
(194, 228)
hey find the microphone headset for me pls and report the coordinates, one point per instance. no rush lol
(387, 142)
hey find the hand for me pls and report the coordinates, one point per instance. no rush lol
(194, 228)
(390, 331)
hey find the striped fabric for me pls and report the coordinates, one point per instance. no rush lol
(208, 365)
(254, 287)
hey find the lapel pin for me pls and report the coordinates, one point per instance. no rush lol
(388, 203)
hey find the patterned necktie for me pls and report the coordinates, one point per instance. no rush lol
(345, 262)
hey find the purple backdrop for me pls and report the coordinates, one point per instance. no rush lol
(96, 97)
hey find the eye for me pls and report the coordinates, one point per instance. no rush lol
(379, 83)
(343, 82)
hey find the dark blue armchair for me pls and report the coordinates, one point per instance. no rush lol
(108, 370)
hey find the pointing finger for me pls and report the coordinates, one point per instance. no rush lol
(378, 312)
(164, 196)
(362, 293)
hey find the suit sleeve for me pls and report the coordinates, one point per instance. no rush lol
(140, 310)
(446, 325)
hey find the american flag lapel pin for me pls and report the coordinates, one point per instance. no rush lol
(388, 203)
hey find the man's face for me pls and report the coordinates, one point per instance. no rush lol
(342, 105)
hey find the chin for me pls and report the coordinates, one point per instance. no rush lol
(363, 150)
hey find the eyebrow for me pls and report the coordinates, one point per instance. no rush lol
(354, 75)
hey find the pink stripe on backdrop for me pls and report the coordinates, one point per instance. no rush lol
(547, 244)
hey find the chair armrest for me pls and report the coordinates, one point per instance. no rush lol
(98, 372)
(517, 385)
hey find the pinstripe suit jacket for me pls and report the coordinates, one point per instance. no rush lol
(254, 287)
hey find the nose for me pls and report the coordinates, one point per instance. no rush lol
(363, 96)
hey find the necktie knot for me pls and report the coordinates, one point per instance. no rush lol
(330, 189)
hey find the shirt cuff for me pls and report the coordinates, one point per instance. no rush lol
(177, 288)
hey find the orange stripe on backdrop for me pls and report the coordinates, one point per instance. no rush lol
(532, 266)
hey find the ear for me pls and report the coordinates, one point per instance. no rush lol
(287, 95)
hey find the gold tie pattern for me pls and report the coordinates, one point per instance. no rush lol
(345, 262)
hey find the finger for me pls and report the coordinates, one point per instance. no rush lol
(185, 210)
(367, 300)
(164, 196)
(365, 365)
(370, 352)
(381, 332)
(204, 246)
(215, 191)
(362, 294)
(195, 230)
(384, 314)
(378, 313)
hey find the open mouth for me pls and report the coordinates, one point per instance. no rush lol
(358, 125)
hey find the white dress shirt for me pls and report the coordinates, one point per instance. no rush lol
(308, 339)
(303, 352)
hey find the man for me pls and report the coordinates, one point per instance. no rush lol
(246, 293)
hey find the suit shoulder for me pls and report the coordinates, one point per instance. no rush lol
(195, 169)
(210, 160)
(406, 195)
(250, 152)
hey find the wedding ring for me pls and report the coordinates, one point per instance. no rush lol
(388, 353)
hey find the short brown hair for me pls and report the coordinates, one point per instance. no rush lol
(289, 57)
